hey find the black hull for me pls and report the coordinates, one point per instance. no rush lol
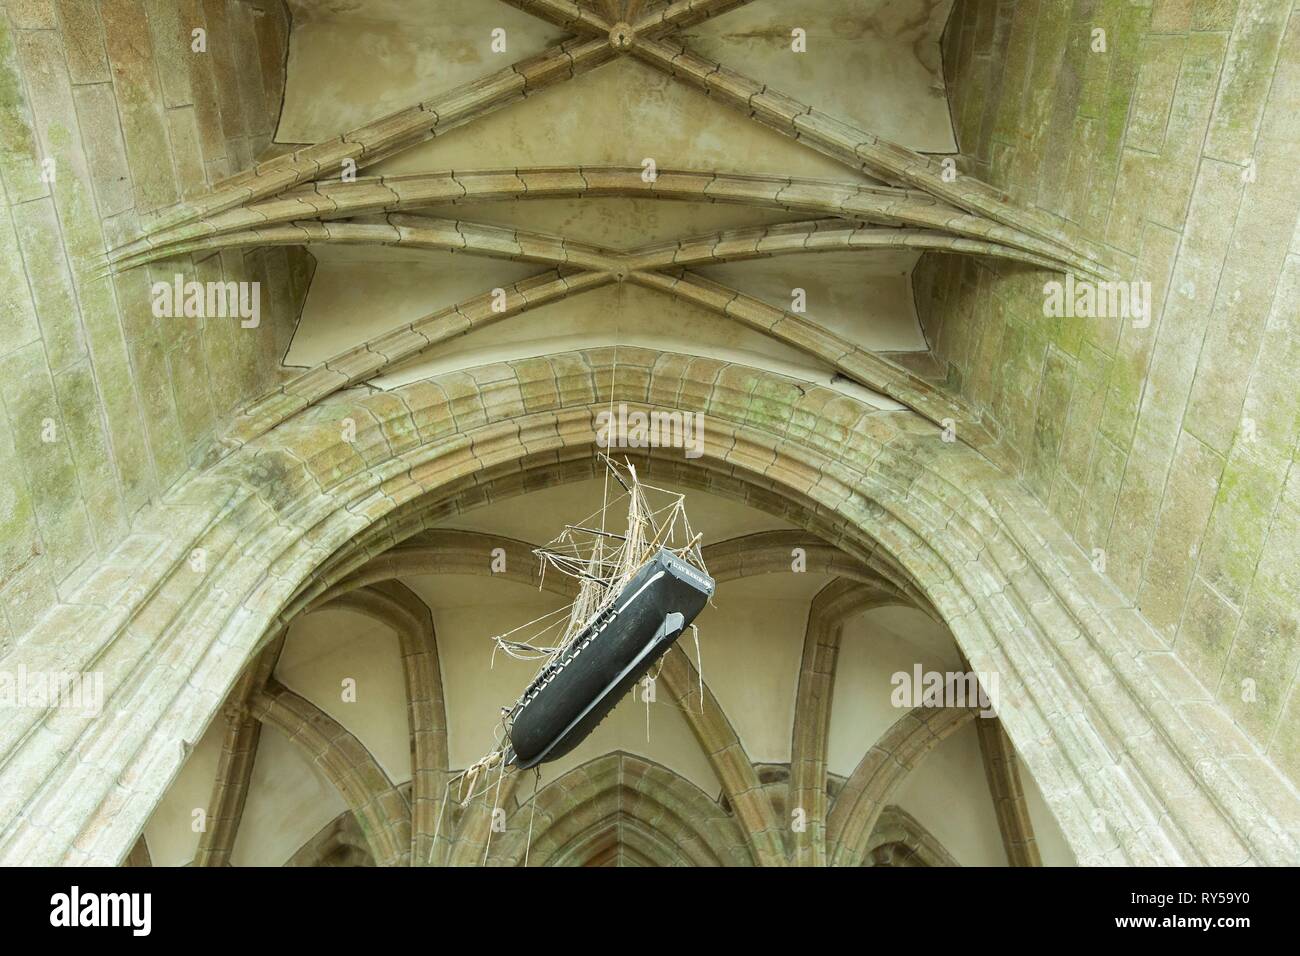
(580, 687)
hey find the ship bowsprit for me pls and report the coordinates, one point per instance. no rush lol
(581, 685)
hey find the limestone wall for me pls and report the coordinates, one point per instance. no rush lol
(1168, 449)
(107, 118)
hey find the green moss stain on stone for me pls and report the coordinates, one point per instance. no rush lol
(1247, 75)
(18, 320)
(50, 281)
(20, 156)
(84, 420)
(41, 440)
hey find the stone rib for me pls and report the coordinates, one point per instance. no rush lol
(880, 773)
(563, 13)
(1002, 768)
(856, 363)
(862, 150)
(398, 131)
(380, 807)
(885, 206)
(810, 737)
(399, 608)
(727, 756)
(372, 358)
(413, 232)
(235, 766)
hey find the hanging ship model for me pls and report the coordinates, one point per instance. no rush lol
(638, 590)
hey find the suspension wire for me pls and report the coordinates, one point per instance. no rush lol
(604, 496)
(699, 665)
(487, 844)
(437, 827)
(532, 813)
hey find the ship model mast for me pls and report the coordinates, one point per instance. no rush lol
(602, 562)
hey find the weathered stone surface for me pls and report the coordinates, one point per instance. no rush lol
(1189, 154)
(1114, 527)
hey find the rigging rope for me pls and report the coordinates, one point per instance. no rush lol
(532, 813)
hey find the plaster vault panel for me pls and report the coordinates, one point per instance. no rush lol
(948, 794)
(619, 114)
(876, 62)
(329, 646)
(358, 293)
(539, 516)
(627, 316)
(351, 61)
(875, 646)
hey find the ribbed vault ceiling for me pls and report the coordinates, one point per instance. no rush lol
(614, 184)
(876, 63)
